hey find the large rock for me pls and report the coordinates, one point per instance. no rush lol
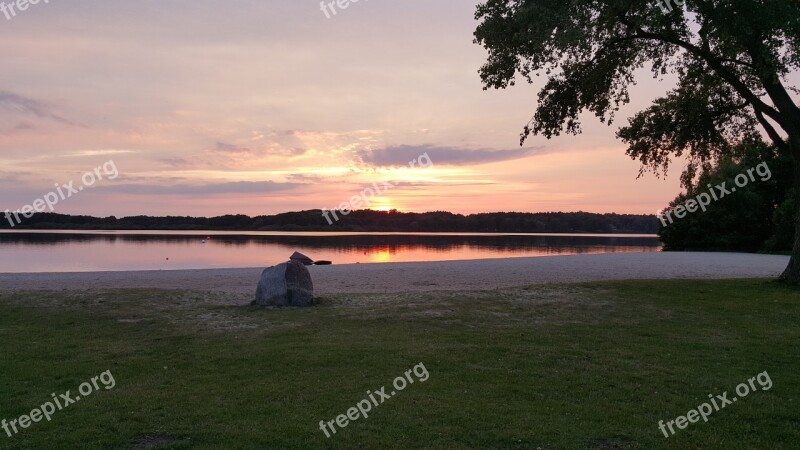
(287, 284)
(299, 257)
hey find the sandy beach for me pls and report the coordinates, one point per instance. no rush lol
(426, 276)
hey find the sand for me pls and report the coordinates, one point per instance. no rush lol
(425, 276)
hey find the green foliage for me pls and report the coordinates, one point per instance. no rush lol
(783, 220)
(750, 219)
(731, 59)
(729, 56)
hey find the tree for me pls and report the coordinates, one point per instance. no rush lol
(731, 58)
(747, 221)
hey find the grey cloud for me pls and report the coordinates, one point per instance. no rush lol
(12, 178)
(304, 178)
(230, 148)
(175, 163)
(402, 155)
(29, 106)
(276, 149)
(238, 187)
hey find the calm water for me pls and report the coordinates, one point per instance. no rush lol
(69, 251)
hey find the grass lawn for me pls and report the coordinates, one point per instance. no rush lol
(564, 366)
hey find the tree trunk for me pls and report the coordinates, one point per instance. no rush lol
(792, 273)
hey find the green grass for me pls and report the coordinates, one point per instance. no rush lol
(569, 366)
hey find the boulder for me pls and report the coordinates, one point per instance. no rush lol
(299, 257)
(287, 284)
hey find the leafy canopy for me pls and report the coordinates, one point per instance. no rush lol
(731, 58)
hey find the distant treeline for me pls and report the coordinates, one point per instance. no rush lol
(364, 220)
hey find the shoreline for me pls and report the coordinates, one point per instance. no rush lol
(308, 233)
(479, 274)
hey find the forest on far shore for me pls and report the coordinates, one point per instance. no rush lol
(362, 220)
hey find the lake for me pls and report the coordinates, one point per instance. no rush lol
(79, 251)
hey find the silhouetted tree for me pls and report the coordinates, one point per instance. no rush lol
(731, 58)
(745, 220)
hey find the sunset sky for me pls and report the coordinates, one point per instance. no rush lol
(258, 107)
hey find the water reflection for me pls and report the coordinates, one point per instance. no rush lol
(69, 251)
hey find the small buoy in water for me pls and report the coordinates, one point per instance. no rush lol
(167, 259)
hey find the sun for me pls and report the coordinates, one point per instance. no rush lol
(382, 204)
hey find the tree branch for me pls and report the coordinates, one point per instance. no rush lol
(713, 62)
(771, 132)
